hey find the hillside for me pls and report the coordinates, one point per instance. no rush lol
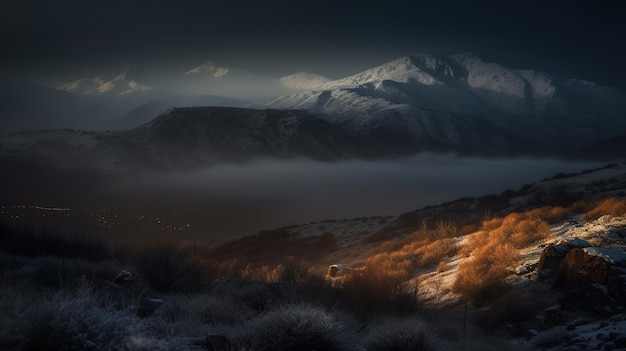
(194, 137)
(543, 264)
(539, 268)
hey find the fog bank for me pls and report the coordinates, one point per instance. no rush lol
(232, 200)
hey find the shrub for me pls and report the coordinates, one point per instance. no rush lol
(401, 335)
(495, 248)
(527, 231)
(290, 271)
(481, 278)
(166, 269)
(257, 295)
(224, 310)
(435, 252)
(232, 268)
(77, 323)
(550, 214)
(443, 266)
(381, 287)
(294, 327)
(609, 206)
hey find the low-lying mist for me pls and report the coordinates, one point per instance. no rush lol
(237, 199)
(231, 200)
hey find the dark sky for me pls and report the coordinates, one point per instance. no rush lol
(43, 39)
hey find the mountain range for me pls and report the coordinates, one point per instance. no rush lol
(457, 103)
(418, 97)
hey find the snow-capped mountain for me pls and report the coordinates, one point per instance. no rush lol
(304, 81)
(456, 103)
(423, 88)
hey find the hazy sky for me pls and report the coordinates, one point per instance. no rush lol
(43, 38)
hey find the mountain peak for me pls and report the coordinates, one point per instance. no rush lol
(401, 70)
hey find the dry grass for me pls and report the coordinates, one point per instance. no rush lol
(481, 278)
(494, 249)
(443, 266)
(609, 206)
(435, 252)
(550, 214)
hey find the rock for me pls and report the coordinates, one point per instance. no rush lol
(579, 267)
(550, 260)
(595, 274)
(525, 268)
(577, 243)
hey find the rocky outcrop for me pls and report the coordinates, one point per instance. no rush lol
(580, 267)
(553, 255)
(598, 275)
(591, 277)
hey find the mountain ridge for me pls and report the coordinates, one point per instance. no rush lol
(525, 102)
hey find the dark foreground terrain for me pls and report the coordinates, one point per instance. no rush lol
(538, 268)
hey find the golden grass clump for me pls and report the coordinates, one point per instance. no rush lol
(550, 214)
(435, 252)
(494, 249)
(609, 206)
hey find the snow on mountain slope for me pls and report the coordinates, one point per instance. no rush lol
(304, 81)
(401, 70)
(531, 103)
(462, 84)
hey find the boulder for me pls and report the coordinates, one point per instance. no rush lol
(597, 274)
(579, 267)
(550, 260)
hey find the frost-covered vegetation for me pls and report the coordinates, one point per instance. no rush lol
(166, 298)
